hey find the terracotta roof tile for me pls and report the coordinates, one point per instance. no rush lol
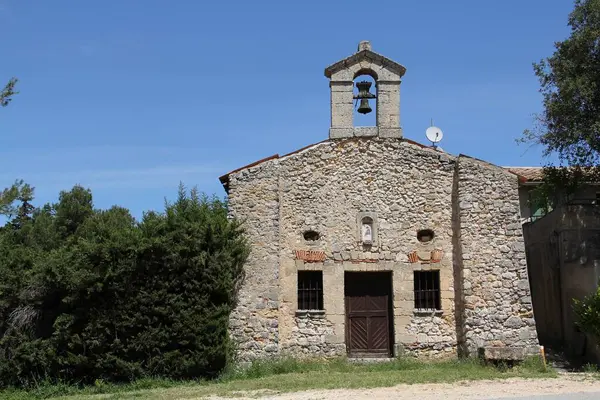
(531, 174)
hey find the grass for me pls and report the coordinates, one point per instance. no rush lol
(590, 368)
(287, 375)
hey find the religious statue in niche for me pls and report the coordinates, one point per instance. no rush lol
(367, 231)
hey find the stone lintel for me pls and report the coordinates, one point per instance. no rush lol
(341, 133)
(390, 132)
(366, 131)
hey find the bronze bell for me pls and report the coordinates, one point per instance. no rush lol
(364, 107)
(364, 95)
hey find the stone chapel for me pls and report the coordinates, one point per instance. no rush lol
(371, 245)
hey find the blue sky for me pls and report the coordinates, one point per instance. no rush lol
(131, 97)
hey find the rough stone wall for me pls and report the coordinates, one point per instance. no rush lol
(472, 207)
(310, 339)
(436, 335)
(253, 197)
(497, 299)
(408, 188)
(324, 188)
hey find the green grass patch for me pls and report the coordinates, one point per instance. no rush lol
(286, 375)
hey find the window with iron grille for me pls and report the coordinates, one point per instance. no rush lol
(310, 290)
(427, 290)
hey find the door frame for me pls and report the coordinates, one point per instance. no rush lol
(384, 289)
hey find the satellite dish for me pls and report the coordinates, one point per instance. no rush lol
(434, 134)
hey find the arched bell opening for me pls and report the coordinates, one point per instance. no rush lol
(365, 98)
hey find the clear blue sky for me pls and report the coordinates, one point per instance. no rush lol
(130, 97)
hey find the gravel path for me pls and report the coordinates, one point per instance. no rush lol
(571, 385)
(574, 396)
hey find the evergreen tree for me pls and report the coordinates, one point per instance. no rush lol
(91, 294)
(8, 92)
(569, 125)
(8, 196)
(570, 86)
(25, 210)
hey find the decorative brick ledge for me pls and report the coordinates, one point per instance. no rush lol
(310, 255)
(435, 256)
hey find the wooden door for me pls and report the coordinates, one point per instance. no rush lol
(367, 316)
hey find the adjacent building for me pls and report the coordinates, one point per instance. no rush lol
(563, 256)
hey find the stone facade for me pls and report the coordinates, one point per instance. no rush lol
(496, 302)
(401, 187)
(311, 336)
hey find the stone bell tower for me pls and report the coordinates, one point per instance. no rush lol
(387, 75)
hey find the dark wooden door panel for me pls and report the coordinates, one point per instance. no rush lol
(356, 304)
(378, 335)
(359, 339)
(371, 305)
(368, 324)
(367, 302)
(377, 303)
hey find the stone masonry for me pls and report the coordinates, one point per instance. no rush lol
(402, 187)
(496, 299)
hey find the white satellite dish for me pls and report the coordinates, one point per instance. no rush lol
(434, 134)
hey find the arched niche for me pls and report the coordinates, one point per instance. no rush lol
(367, 234)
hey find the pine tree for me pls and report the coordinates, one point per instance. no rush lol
(25, 209)
(570, 85)
(8, 92)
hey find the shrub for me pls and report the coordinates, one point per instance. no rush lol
(90, 295)
(587, 312)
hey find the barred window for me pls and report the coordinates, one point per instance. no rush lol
(427, 290)
(310, 290)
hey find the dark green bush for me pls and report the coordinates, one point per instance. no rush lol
(88, 294)
(588, 313)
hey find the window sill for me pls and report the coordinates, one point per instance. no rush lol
(424, 312)
(310, 313)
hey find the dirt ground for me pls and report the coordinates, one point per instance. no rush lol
(571, 383)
